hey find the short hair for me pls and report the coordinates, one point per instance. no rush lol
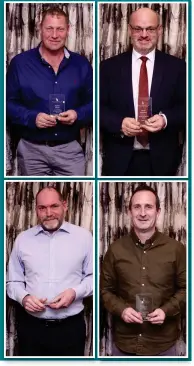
(50, 188)
(55, 10)
(145, 187)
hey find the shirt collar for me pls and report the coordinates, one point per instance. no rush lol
(148, 242)
(66, 52)
(65, 227)
(151, 55)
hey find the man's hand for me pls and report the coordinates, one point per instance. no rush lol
(131, 127)
(44, 120)
(154, 123)
(63, 300)
(129, 315)
(31, 303)
(156, 317)
(68, 117)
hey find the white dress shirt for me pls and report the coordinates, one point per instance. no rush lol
(136, 65)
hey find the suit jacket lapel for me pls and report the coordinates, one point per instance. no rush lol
(127, 89)
(157, 76)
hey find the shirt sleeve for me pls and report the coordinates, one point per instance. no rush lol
(176, 304)
(16, 110)
(85, 111)
(108, 284)
(15, 276)
(85, 288)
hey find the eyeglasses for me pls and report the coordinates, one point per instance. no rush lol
(149, 30)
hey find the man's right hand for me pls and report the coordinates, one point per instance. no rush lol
(131, 127)
(129, 315)
(31, 303)
(44, 120)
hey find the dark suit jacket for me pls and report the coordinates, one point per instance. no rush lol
(168, 92)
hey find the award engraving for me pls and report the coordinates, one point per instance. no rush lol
(144, 109)
(144, 304)
(56, 104)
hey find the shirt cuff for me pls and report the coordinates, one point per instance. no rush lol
(20, 295)
(165, 119)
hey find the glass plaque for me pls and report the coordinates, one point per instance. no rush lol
(144, 304)
(144, 109)
(56, 104)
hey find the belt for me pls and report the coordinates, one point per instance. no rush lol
(54, 322)
(48, 143)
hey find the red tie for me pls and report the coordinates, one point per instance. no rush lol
(143, 93)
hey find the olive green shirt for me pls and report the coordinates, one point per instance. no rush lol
(157, 267)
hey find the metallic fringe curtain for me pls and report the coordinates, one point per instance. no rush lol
(21, 215)
(114, 37)
(115, 222)
(22, 34)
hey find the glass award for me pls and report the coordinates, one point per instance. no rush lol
(144, 109)
(144, 304)
(56, 104)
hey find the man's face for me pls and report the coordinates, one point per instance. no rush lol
(54, 32)
(144, 41)
(50, 210)
(143, 211)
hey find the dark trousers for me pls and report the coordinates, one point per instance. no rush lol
(140, 164)
(38, 337)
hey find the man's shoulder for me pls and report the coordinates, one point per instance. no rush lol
(117, 59)
(77, 230)
(25, 235)
(25, 55)
(81, 60)
(120, 243)
(165, 239)
(170, 59)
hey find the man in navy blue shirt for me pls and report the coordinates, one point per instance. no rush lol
(49, 142)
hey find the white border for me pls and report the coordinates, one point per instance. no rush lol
(94, 271)
(94, 81)
(98, 98)
(149, 358)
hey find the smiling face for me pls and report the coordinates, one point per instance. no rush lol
(143, 212)
(54, 31)
(144, 41)
(50, 209)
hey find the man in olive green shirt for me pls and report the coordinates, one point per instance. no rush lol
(150, 264)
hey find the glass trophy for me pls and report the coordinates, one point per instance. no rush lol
(144, 304)
(56, 104)
(144, 109)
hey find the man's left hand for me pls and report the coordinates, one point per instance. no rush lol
(63, 300)
(156, 317)
(68, 117)
(154, 123)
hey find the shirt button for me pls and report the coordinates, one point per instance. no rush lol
(49, 67)
(140, 335)
(55, 82)
(136, 243)
(142, 284)
(152, 243)
(55, 134)
(144, 252)
(143, 267)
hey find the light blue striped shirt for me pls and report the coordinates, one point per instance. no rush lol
(45, 264)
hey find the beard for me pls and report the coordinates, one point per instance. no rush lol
(51, 224)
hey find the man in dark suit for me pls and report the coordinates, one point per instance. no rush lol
(152, 147)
